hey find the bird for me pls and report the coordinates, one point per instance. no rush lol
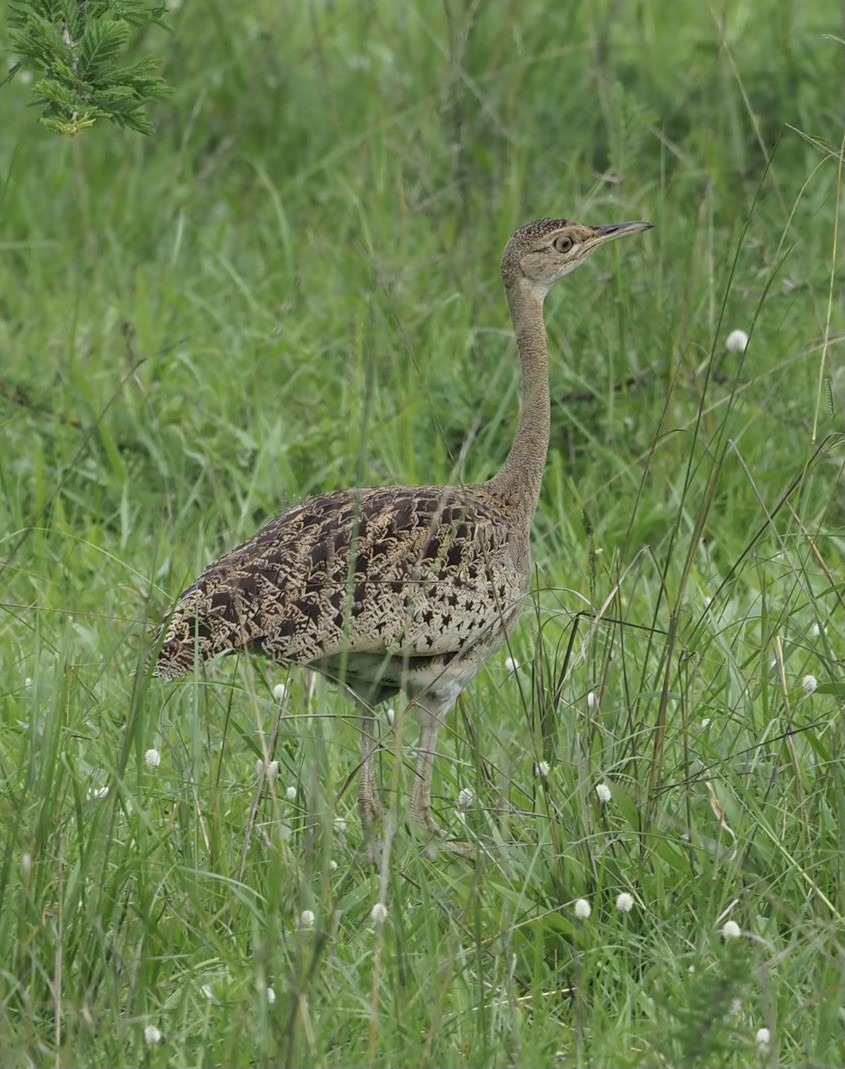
(398, 588)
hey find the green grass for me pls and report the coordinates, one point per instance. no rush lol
(292, 287)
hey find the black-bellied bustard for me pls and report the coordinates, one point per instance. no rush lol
(397, 588)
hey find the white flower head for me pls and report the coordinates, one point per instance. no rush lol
(736, 341)
(270, 769)
(332, 865)
(279, 691)
(815, 631)
(731, 930)
(152, 1035)
(763, 1038)
(624, 902)
(390, 715)
(28, 681)
(592, 699)
(582, 909)
(809, 683)
(152, 758)
(305, 919)
(271, 996)
(511, 664)
(290, 794)
(541, 769)
(465, 798)
(603, 792)
(378, 914)
(339, 825)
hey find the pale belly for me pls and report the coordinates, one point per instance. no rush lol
(431, 655)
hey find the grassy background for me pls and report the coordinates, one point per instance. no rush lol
(292, 287)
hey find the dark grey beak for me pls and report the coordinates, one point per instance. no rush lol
(619, 230)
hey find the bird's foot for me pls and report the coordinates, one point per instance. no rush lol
(426, 822)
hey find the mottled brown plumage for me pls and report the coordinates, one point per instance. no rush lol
(398, 572)
(398, 588)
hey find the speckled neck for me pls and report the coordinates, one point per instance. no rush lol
(520, 476)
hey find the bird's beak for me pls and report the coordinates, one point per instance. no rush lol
(619, 230)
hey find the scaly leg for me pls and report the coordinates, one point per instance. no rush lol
(431, 712)
(368, 800)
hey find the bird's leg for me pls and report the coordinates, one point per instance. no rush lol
(431, 714)
(368, 800)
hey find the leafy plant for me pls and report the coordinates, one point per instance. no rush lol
(77, 46)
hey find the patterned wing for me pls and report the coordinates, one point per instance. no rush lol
(418, 571)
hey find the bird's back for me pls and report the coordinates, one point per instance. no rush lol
(420, 574)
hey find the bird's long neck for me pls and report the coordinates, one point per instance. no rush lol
(522, 472)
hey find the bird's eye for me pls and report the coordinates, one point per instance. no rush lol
(562, 243)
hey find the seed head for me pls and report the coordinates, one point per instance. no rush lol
(305, 919)
(731, 930)
(290, 794)
(736, 341)
(809, 683)
(270, 769)
(152, 758)
(582, 909)
(541, 769)
(279, 691)
(378, 913)
(465, 798)
(763, 1038)
(624, 902)
(152, 1035)
(603, 792)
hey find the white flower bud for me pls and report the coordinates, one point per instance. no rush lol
(465, 798)
(736, 341)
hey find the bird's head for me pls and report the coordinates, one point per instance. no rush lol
(540, 253)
